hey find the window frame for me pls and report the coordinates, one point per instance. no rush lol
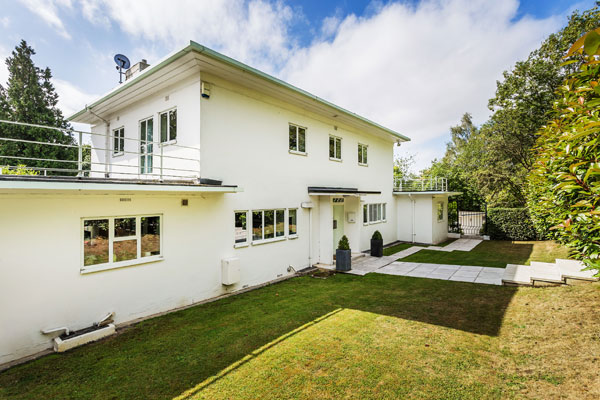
(297, 150)
(363, 154)
(169, 140)
(248, 229)
(121, 149)
(336, 139)
(440, 203)
(374, 213)
(275, 238)
(145, 170)
(112, 239)
(291, 235)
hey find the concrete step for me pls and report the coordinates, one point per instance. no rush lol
(572, 269)
(517, 275)
(544, 274)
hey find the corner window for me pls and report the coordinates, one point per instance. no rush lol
(168, 126)
(362, 154)
(119, 241)
(374, 213)
(118, 141)
(297, 139)
(241, 227)
(335, 148)
(292, 222)
(440, 211)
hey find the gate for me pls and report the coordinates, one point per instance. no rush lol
(469, 220)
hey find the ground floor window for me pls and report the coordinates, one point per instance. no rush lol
(266, 225)
(120, 240)
(292, 222)
(241, 227)
(373, 213)
(440, 211)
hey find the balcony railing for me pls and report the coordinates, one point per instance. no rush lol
(431, 184)
(87, 154)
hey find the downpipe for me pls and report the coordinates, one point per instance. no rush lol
(413, 217)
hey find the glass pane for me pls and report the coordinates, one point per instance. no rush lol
(124, 227)
(302, 140)
(292, 222)
(173, 125)
(143, 131)
(360, 153)
(338, 148)
(125, 250)
(372, 213)
(163, 127)
(279, 223)
(440, 211)
(150, 227)
(383, 216)
(95, 242)
(142, 164)
(378, 212)
(365, 148)
(257, 225)
(269, 224)
(241, 230)
(116, 142)
(365, 214)
(122, 141)
(150, 131)
(293, 138)
(331, 147)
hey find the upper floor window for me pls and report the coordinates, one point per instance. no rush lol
(168, 126)
(297, 139)
(362, 154)
(118, 141)
(335, 148)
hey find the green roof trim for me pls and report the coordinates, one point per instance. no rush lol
(193, 46)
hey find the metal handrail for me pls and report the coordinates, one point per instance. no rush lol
(108, 166)
(431, 184)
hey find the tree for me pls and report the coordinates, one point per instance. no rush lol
(564, 185)
(403, 167)
(30, 97)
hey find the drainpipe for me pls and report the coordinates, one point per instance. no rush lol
(106, 141)
(413, 217)
(309, 237)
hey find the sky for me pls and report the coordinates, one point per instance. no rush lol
(415, 66)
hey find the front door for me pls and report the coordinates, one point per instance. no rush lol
(338, 224)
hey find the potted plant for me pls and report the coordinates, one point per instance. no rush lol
(376, 244)
(343, 257)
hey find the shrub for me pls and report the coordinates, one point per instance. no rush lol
(510, 224)
(18, 170)
(343, 244)
(376, 236)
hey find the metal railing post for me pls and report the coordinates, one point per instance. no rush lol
(161, 161)
(80, 156)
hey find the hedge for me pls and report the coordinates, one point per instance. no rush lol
(510, 224)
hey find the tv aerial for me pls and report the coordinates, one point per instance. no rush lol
(123, 65)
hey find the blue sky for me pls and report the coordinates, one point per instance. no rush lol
(414, 66)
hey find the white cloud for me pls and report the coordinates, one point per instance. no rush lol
(252, 31)
(417, 69)
(3, 70)
(71, 98)
(5, 22)
(48, 11)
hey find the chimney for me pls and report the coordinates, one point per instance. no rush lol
(136, 69)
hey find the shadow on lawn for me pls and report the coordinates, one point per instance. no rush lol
(166, 356)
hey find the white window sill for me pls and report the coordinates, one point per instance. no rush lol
(119, 154)
(298, 153)
(293, 237)
(335, 159)
(174, 141)
(375, 222)
(259, 242)
(363, 164)
(240, 245)
(122, 264)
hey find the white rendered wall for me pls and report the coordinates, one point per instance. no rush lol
(424, 219)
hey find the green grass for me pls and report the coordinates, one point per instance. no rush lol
(371, 337)
(388, 251)
(494, 253)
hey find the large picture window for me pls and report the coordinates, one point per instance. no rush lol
(119, 241)
(267, 225)
(297, 139)
(374, 213)
(335, 148)
(168, 126)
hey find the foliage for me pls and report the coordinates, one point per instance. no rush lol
(30, 97)
(493, 162)
(376, 236)
(510, 224)
(343, 243)
(403, 167)
(564, 185)
(20, 169)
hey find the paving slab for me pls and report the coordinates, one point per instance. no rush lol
(466, 274)
(462, 278)
(470, 268)
(518, 274)
(575, 269)
(489, 281)
(546, 272)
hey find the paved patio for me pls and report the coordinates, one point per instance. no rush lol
(462, 273)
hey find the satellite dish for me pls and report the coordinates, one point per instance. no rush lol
(122, 61)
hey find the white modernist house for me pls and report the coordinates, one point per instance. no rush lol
(206, 177)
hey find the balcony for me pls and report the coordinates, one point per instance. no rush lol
(430, 184)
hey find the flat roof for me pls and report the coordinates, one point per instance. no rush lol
(327, 190)
(72, 183)
(430, 193)
(246, 70)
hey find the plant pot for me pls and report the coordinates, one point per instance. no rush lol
(343, 260)
(376, 248)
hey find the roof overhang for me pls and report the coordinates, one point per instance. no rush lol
(338, 191)
(196, 58)
(11, 184)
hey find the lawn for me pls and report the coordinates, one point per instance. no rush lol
(371, 337)
(388, 251)
(495, 253)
